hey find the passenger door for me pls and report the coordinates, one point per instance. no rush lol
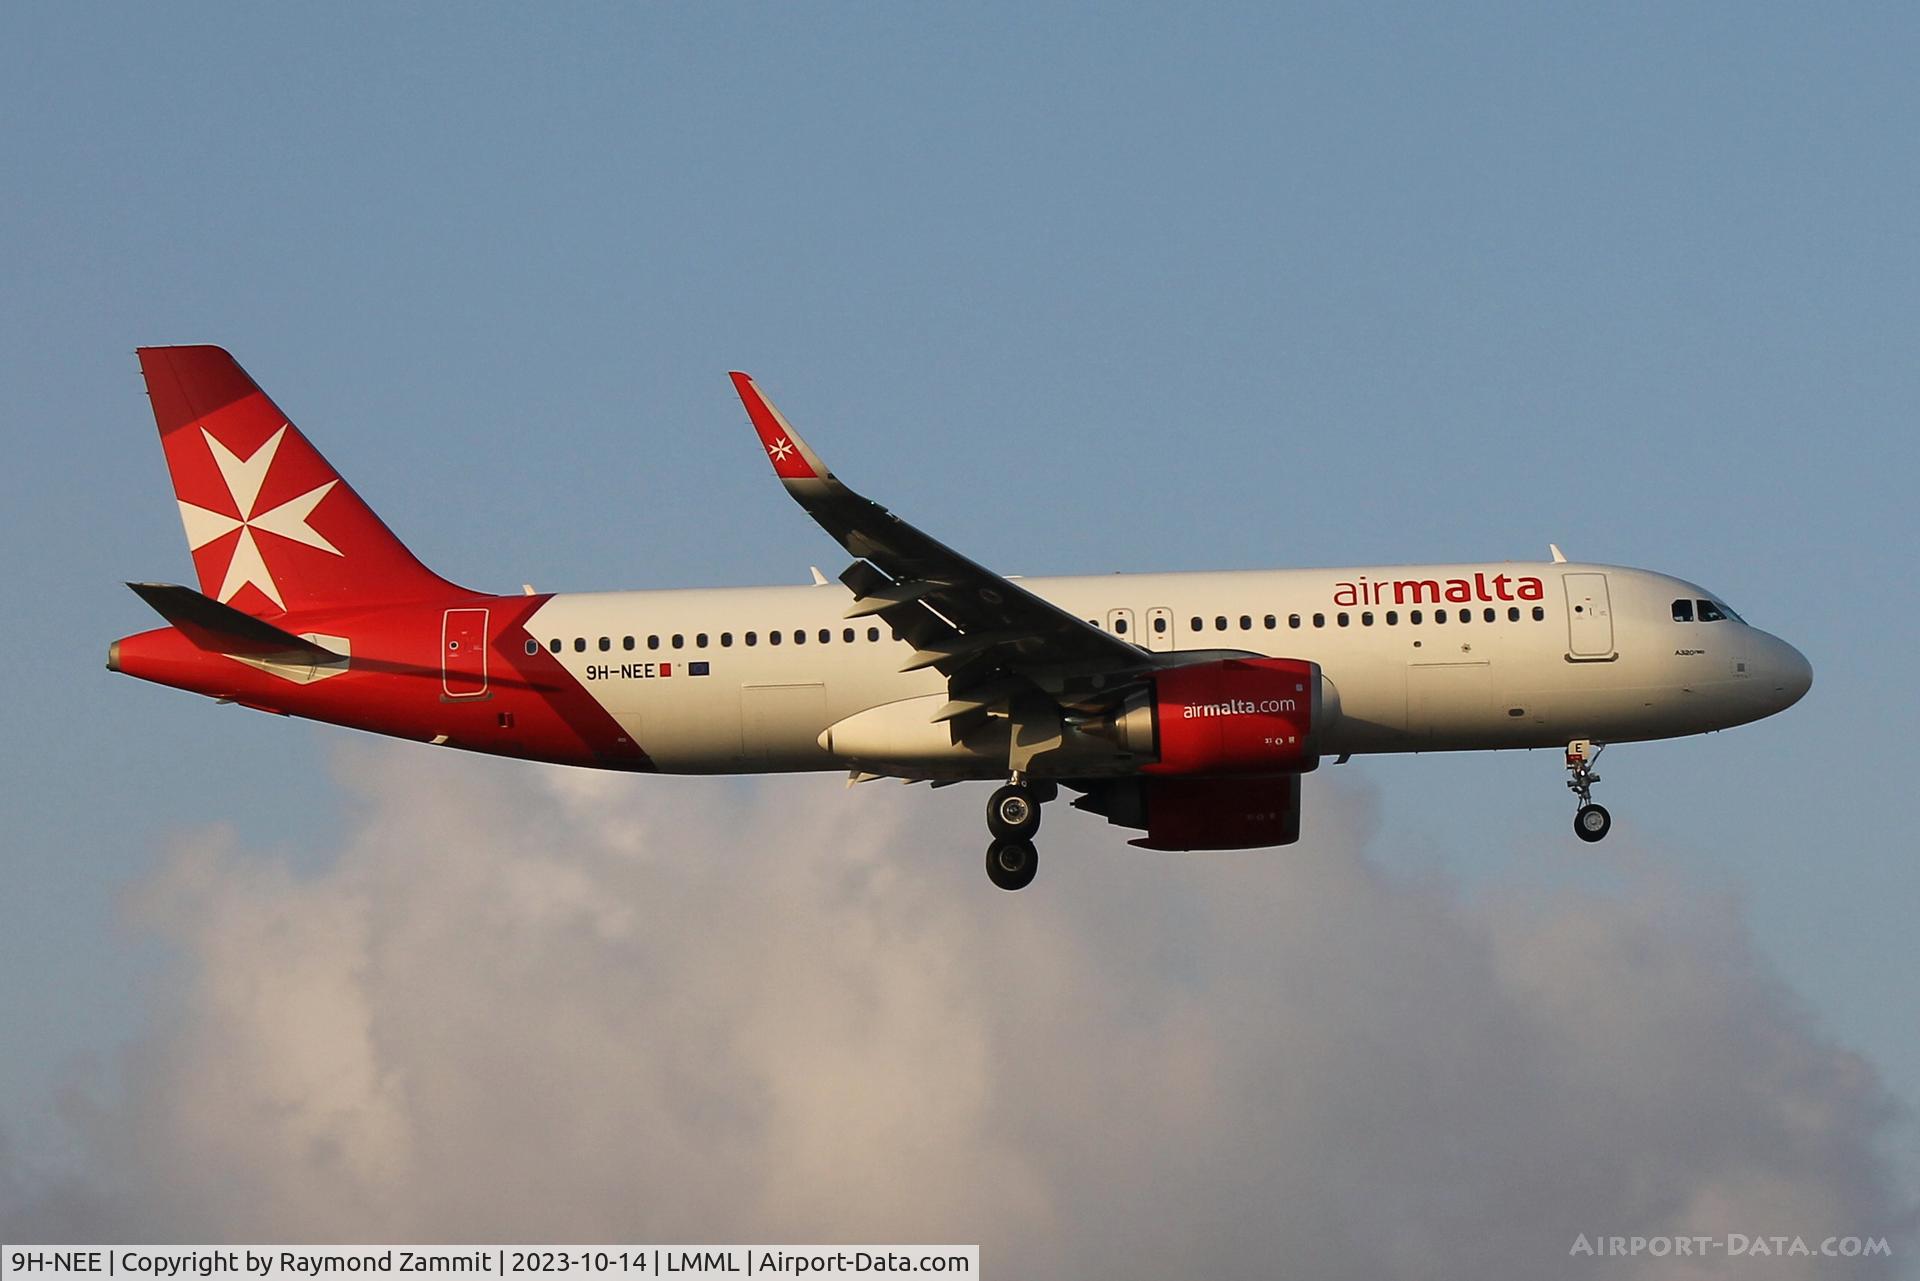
(1589, 618)
(463, 653)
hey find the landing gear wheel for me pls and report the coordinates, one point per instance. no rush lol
(1592, 822)
(1013, 813)
(1011, 864)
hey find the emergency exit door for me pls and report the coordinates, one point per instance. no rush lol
(1160, 628)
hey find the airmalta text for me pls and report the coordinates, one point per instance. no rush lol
(1435, 591)
(1239, 707)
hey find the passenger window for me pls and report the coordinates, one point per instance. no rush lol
(751, 638)
(626, 642)
(679, 641)
(579, 644)
(1539, 613)
(873, 633)
(773, 638)
(1439, 615)
(1414, 618)
(1341, 618)
(1271, 622)
(726, 640)
(1246, 622)
(847, 635)
(1196, 623)
(1490, 615)
(1293, 620)
(606, 644)
(1366, 619)
(826, 634)
(533, 647)
(1513, 613)
(700, 641)
(1710, 612)
(653, 642)
(1220, 623)
(555, 646)
(1393, 618)
(1159, 627)
(1119, 627)
(799, 635)
(1319, 620)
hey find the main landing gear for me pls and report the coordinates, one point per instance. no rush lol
(1013, 816)
(1590, 822)
(1011, 864)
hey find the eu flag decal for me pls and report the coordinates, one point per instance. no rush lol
(696, 669)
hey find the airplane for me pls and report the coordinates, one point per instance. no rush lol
(1186, 706)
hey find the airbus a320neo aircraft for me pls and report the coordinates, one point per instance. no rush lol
(1184, 705)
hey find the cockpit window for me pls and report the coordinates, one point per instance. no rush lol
(1683, 611)
(1710, 612)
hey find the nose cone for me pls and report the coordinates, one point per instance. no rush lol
(1786, 672)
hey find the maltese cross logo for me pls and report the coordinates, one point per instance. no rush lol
(780, 449)
(244, 477)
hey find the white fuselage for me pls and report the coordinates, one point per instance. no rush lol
(1538, 654)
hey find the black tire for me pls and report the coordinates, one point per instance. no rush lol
(1592, 822)
(1011, 865)
(1013, 814)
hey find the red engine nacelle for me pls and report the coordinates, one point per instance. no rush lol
(1202, 813)
(1232, 716)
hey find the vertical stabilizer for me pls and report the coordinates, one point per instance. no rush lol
(272, 527)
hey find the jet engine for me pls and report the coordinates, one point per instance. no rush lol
(1228, 716)
(1201, 813)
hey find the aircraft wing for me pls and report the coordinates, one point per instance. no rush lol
(985, 632)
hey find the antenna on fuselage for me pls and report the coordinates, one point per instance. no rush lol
(1559, 557)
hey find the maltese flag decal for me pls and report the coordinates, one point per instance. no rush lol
(291, 519)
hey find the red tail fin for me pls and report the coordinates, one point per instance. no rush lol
(272, 527)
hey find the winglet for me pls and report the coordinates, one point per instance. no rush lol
(791, 457)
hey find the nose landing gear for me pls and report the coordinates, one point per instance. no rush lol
(1013, 816)
(1591, 822)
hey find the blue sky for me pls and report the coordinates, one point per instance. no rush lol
(1075, 288)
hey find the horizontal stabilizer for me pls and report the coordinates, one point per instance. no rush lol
(222, 628)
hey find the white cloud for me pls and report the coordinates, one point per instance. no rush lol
(524, 1004)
